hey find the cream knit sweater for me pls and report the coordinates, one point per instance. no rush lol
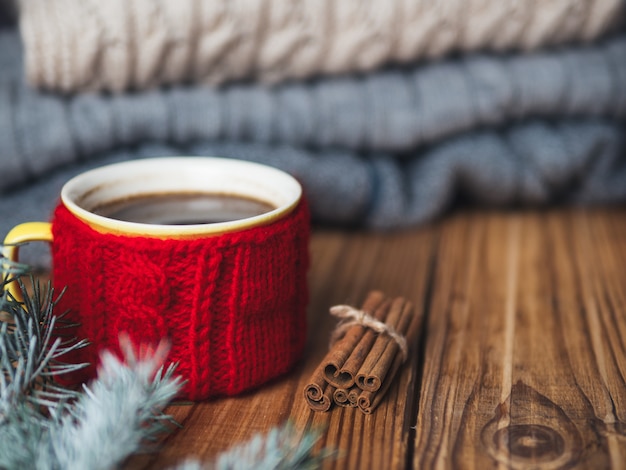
(74, 45)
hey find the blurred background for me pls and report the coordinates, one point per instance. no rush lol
(390, 112)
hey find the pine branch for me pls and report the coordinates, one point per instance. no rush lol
(118, 414)
(46, 426)
(281, 449)
(9, 272)
(29, 356)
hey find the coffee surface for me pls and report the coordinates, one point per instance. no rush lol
(183, 208)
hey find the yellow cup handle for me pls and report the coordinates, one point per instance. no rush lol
(28, 232)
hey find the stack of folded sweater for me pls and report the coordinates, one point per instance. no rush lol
(388, 111)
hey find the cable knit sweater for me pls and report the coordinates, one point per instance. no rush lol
(116, 45)
(384, 150)
(397, 111)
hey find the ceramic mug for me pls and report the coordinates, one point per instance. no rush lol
(143, 248)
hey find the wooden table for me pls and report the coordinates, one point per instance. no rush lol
(521, 363)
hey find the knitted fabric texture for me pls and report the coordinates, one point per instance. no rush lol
(537, 163)
(232, 306)
(397, 111)
(384, 150)
(118, 44)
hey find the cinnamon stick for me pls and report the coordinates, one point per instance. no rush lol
(378, 363)
(318, 393)
(340, 396)
(353, 395)
(368, 401)
(320, 401)
(340, 352)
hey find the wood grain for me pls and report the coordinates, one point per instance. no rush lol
(525, 359)
(522, 363)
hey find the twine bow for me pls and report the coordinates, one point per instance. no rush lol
(351, 316)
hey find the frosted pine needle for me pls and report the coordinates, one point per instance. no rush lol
(46, 426)
(118, 414)
(280, 449)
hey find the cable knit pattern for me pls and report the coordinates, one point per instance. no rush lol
(384, 150)
(392, 111)
(146, 302)
(116, 45)
(232, 306)
(535, 163)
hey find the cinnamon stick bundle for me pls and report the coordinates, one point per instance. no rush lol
(372, 346)
(319, 393)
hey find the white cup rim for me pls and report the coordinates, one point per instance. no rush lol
(180, 173)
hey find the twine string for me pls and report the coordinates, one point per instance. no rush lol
(351, 316)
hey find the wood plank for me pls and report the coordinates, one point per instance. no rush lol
(345, 266)
(525, 360)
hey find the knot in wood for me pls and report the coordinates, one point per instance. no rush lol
(536, 442)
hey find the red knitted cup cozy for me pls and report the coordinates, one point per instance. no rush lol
(232, 306)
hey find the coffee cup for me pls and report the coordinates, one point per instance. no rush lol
(209, 254)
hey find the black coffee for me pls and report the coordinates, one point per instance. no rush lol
(183, 208)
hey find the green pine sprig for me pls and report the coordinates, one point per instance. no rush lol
(30, 354)
(282, 448)
(118, 414)
(44, 425)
